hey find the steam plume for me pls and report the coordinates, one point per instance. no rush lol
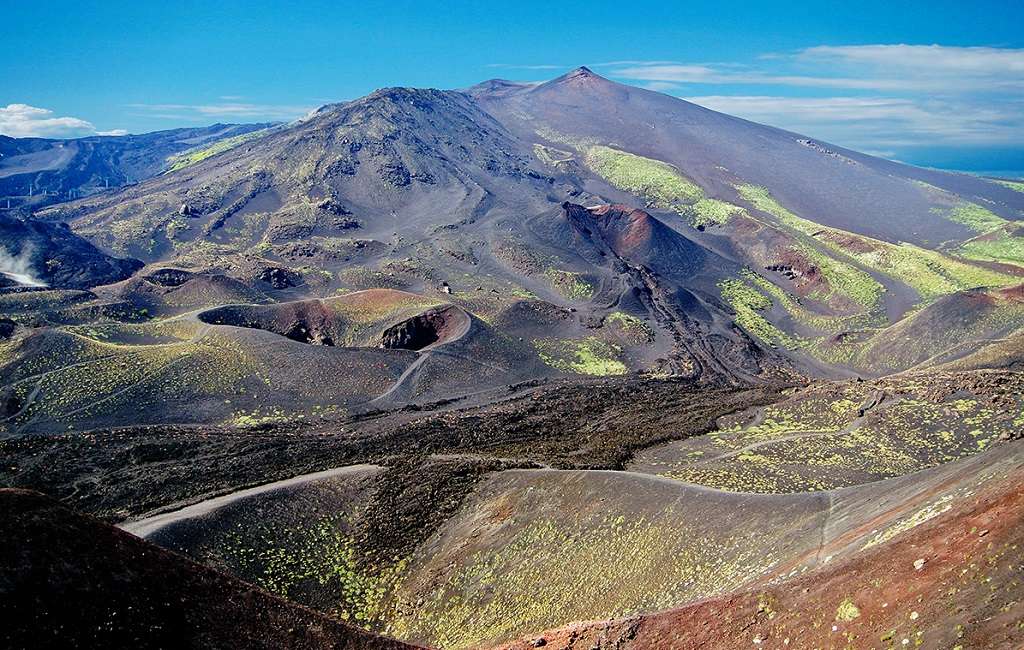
(19, 268)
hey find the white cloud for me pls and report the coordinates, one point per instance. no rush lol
(24, 121)
(927, 57)
(877, 122)
(662, 86)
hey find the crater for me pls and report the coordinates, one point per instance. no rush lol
(307, 321)
(333, 323)
(424, 330)
(169, 277)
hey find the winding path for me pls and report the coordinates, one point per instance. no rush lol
(148, 526)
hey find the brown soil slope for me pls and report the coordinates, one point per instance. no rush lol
(71, 581)
(945, 578)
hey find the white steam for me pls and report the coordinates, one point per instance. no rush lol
(19, 268)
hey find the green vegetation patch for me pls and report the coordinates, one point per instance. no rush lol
(1000, 240)
(844, 434)
(930, 272)
(197, 154)
(317, 555)
(589, 356)
(644, 177)
(843, 278)
(661, 184)
(569, 285)
(747, 301)
(975, 217)
(1013, 185)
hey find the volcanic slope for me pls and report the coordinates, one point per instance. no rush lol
(775, 493)
(835, 187)
(839, 245)
(942, 570)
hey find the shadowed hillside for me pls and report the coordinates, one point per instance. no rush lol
(69, 580)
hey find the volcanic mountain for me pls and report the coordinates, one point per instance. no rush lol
(525, 355)
(589, 226)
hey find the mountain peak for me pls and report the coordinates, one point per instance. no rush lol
(582, 73)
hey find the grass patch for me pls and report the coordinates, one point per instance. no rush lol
(747, 302)
(661, 184)
(929, 272)
(999, 240)
(843, 278)
(1019, 187)
(975, 217)
(196, 154)
(589, 356)
(569, 285)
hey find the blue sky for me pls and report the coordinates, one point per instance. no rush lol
(933, 83)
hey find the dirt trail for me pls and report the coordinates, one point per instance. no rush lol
(426, 353)
(148, 526)
(202, 333)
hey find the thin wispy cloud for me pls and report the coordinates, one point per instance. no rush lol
(881, 95)
(24, 121)
(866, 67)
(226, 110)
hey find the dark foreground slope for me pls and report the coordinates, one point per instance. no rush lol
(71, 581)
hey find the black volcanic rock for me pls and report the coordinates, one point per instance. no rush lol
(58, 257)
